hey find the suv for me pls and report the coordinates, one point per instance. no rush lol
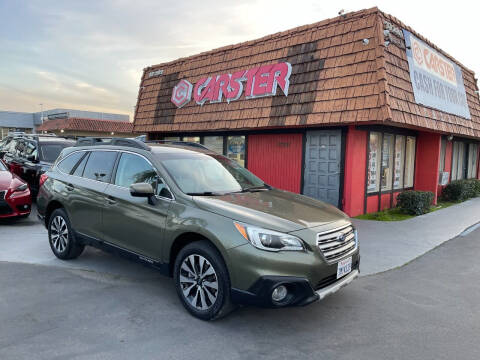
(30, 156)
(224, 235)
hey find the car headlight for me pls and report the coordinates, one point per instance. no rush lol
(22, 187)
(268, 239)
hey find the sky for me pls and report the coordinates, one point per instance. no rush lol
(89, 55)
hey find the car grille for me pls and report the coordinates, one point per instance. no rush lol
(337, 243)
(329, 280)
(5, 209)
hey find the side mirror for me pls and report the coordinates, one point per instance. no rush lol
(143, 190)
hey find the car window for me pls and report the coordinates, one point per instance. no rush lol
(99, 165)
(19, 148)
(12, 146)
(2, 166)
(30, 149)
(78, 170)
(67, 164)
(50, 152)
(134, 169)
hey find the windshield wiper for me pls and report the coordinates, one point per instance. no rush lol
(256, 188)
(204, 193)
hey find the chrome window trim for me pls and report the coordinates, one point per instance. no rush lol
(112, 183)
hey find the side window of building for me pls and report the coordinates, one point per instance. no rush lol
(100, 165)
(236, 149)
(458, 159)
(214, 143)
(472, 161)
(443, 149)
(66, 165)
(134, 169)
(391, 160)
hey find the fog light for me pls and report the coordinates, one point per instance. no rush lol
(279, 293)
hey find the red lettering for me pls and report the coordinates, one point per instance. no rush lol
(221, 87)
(250, 75)
(235, 86)
(262, 80)
(281, 77)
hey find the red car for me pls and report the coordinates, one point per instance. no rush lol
(15, 198)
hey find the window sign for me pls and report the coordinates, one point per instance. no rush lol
(236, 149)
(193, 139)
(399, 162)
(409, 162)
(374, 163)
(387, 162)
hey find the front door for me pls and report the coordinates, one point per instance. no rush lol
(132, 223)
(322, 165)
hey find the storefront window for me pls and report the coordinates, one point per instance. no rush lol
(458, 160)
(194, 139)
(409, 162)
(374, 162)
(236, 149)
(472, 160)
(443, 149)
(387, 162)
(214, 143)
(172, 138)
(399, 161)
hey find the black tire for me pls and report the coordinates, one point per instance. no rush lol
(222, 305)
(64, 247)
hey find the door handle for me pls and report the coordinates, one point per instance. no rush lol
(69, 187)
(111, 200)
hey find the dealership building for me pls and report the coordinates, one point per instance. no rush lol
(350, 110)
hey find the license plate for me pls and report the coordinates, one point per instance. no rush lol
(344, 267)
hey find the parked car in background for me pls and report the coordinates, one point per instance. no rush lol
(30, 156)
(15, 199)
(224, 235)
(4, 143)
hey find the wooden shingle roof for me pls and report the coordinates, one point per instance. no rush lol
(337, 78)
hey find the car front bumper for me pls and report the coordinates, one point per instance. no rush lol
(300, 291)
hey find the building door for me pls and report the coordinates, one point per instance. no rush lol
(322, 165)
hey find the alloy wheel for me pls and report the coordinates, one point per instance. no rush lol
(59, 234)
(198, 282)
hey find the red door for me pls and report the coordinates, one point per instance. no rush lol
(276, 159)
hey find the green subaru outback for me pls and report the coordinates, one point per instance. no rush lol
(224, 235)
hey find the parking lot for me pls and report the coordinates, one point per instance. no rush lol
(103, 307)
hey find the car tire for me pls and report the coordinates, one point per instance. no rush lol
(195, 284)
(62, 240)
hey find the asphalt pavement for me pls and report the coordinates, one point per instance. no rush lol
(427, 309)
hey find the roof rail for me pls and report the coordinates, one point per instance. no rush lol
(180, 143)
(95, 141)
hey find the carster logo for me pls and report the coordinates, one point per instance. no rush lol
(257, 82)
(182, 93)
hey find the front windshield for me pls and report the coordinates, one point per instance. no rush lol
(208, 173)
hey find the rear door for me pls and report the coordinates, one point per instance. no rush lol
(322, 165)
(85, 191)
(132, 223)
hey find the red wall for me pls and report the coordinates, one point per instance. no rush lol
(354, 178)
(276, 159)
(427, 161)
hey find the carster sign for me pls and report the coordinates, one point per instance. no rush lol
(437, 82)
(257, 82)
